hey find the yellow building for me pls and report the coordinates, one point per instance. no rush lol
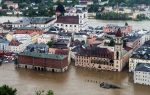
(9, 36)
(34, 37)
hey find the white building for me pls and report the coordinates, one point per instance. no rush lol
(44, 23)
(80, 36)
(4, 45)
(141, 55)
(142, 74)
(44, 39)
(69, 23)
(19, 42)
(83, 17)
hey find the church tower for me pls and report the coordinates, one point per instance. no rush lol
(118, 51)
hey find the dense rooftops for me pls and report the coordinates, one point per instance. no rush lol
(43, 55)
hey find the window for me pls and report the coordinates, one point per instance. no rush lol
(66, 25)
(70, 25)
(74, 25)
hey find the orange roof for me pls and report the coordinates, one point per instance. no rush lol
(33, 34)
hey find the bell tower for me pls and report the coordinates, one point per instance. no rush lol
(118, 51)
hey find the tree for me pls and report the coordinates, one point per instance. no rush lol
(126, 24)
(112, 43)
(50, 43)
(6, 90)
(83, 41)
(60, 8)
(4, 6)
(16, 61)
(49, 92)
(11, 8)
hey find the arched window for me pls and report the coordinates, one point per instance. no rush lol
(117, 55)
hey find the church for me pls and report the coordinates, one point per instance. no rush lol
(104, 59)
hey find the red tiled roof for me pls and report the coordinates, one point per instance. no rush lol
(68, 19)
(14, 43)
(127, 48)
(119, 33)
(33, 34)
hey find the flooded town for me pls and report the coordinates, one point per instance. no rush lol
(74, 47)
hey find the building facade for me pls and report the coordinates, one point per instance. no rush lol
(43, 61)
(142, 74)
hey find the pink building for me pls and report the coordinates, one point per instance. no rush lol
(60, 51)
(133, 41)
(114, 28)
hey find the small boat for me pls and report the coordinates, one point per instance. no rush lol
(106, 85)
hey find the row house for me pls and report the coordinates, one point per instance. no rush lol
(29, 30)
(43, 23)
(142, 74)
(44, 39)
(141, 55)
(43, 61)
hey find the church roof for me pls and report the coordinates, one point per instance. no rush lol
(119, 33)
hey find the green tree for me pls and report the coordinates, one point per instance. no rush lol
(16, 61)
(11, 8)
(112, 43)
(4, 6)
(49, 92)
(126, 24)
(6, 90)
(50, 43)
(83, 41)
(39, 92)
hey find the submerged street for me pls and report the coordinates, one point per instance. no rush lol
(75, 81)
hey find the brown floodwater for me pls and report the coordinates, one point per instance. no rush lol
(75, 81)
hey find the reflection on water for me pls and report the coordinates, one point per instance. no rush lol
(76, 81)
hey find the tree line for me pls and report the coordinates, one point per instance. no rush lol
(112, 16)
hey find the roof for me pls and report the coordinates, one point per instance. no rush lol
(33, 34)
(68, 19)
(3, 41)
(43, 55)
(96, 52)
(14, 43)
(41, 20)
(127, 48)
(119, 33)
(29, 28)
(144, 67)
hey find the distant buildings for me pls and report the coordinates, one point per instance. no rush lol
(102, 58)
(11, 4)
(142, 74)
(4, 45)
(43, 61)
